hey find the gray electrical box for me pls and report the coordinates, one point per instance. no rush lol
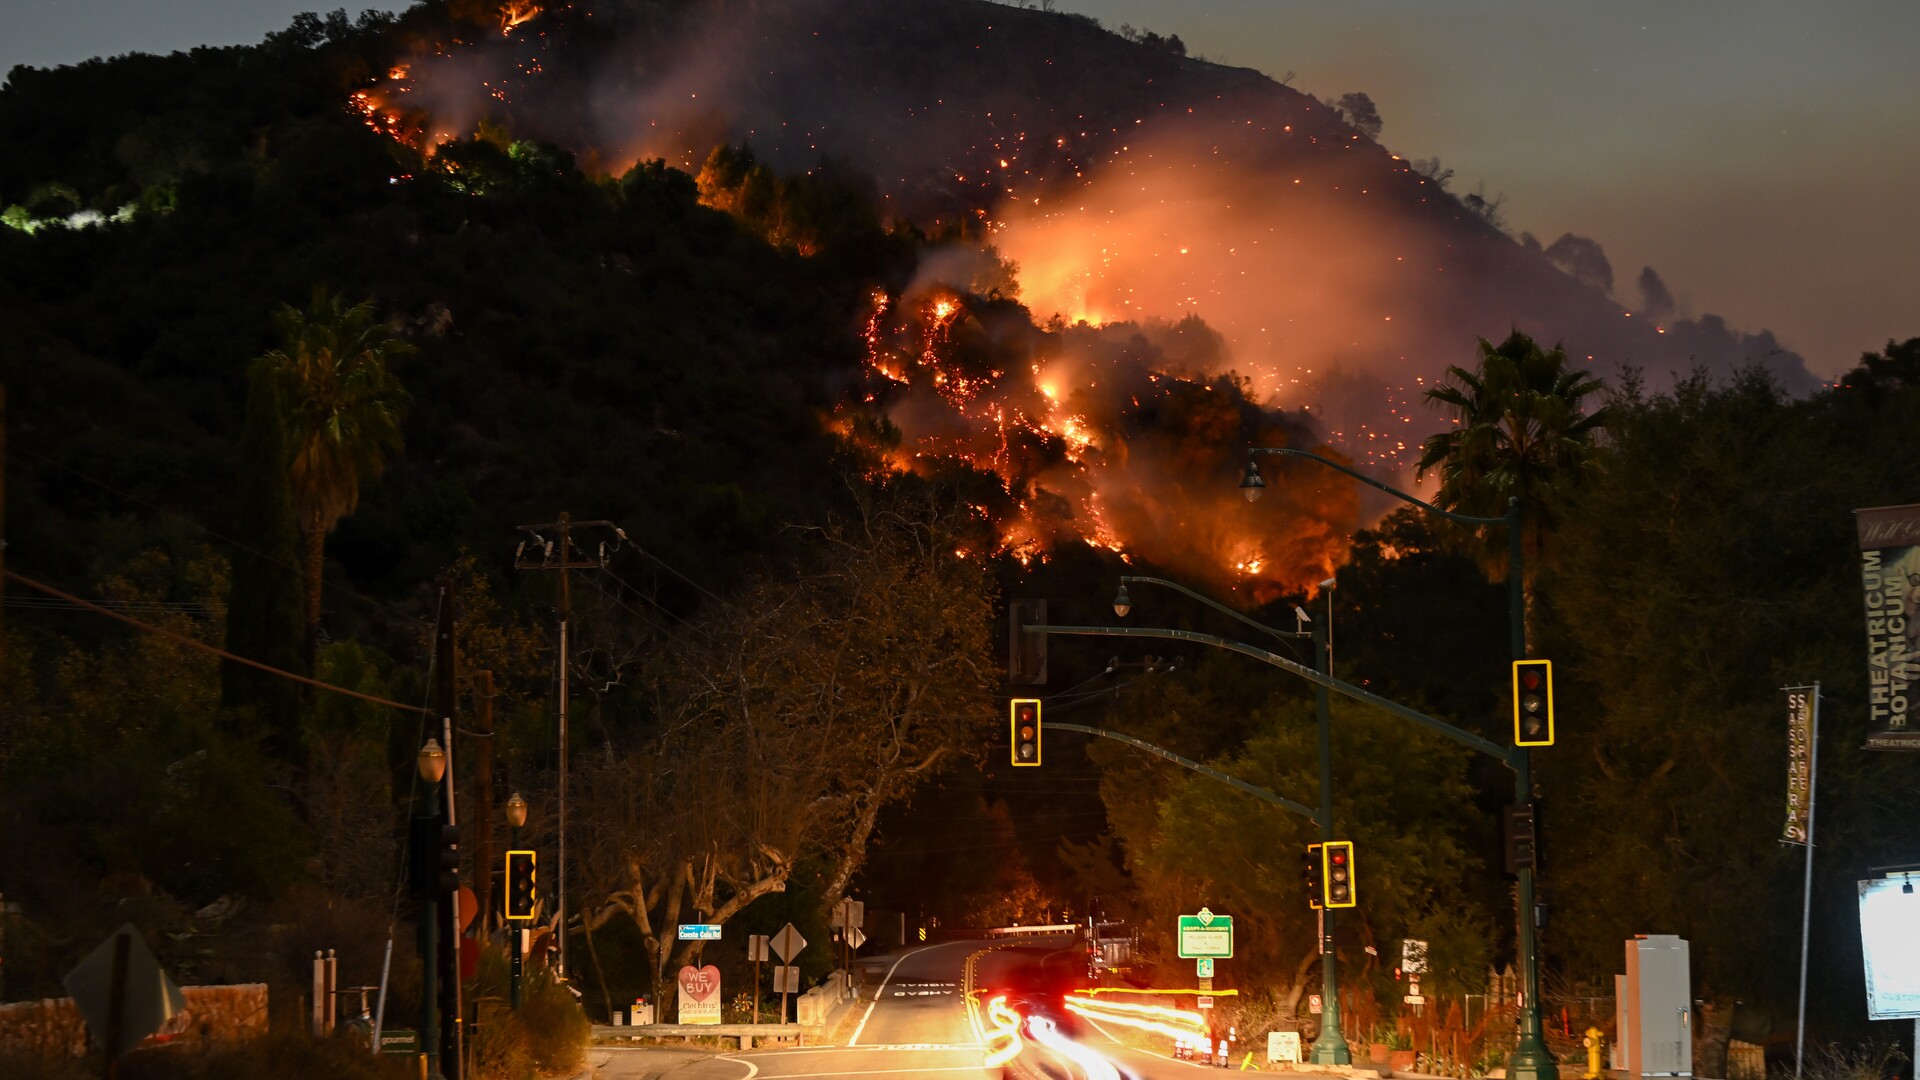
(1656, 1010)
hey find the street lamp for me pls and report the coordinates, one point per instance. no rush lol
(432, 763)
(1330, 1046)
(1530, 1060)
(516, 817)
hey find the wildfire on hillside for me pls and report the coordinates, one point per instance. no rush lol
(1105, 436)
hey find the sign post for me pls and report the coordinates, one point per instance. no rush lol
(787, 944)
(757, 950)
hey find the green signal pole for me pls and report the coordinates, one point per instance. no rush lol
(1531, 1059)
(1330, 1047)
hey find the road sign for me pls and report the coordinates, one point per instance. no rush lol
(788, 943)
(1414, 999)
(148, 998)
(757, 947)
(850, 913)
(856, 937)
(1413, 956)
(1206, 985)
(786, 980)
(1203, 967)
(699, 931)
(1313, 1004)
(1206, 1003)
(1206, 934)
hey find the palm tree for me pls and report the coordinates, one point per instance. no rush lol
(343, 421)
(1520, 429)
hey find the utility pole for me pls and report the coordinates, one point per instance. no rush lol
(3, 536)
(543, 553)
(453, 1026)
(483, 796)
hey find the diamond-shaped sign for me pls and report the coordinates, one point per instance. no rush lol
(149, 998)
(788, 943)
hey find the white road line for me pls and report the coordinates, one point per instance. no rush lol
(1137, 1050)
(752, 1069)
(891, 1071)
(855, 1041)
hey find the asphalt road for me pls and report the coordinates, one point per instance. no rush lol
(914, 1022)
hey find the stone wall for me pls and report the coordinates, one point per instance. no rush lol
(215, 1016)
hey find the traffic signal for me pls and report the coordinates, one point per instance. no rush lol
(435, 857)
(521, 897)
(1522, 838)
(1026, 731)
(1533, 703)
(1310, 873)
(446, 857)
(1336, 870)
(1026, 653)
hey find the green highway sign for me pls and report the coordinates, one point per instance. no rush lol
(1206, 935)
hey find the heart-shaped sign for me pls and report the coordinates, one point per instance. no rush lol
(700, 984)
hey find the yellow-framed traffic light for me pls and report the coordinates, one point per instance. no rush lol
(1533, 703)
(1336, 874)
(523, 900)
(1023, 715)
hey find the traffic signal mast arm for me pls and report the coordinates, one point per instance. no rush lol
(1233, 781)
(1510, 756)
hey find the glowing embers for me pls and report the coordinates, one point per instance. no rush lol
(1003, 1038)
(1159, 1019)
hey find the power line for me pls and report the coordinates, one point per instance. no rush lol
(206, 648)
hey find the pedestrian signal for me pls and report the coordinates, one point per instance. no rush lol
(1533, 703)
(1026, 731)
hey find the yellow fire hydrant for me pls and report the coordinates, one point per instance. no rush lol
(1596, 1040)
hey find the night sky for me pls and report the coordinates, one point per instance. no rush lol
(1761, 155)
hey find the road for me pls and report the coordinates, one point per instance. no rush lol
(915, 1023)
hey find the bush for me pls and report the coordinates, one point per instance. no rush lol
(30, 1067)
(557, 1028)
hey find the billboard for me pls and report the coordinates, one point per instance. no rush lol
(1890, 942)
(1889, 581)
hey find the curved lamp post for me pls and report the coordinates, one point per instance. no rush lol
(516, 817)
(1531, 1060)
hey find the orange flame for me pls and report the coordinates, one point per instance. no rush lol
(515, 12)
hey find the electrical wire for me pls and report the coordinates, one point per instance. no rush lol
(204, 647)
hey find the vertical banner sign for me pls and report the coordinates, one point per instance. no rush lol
(1799, 762)
(1889, 581)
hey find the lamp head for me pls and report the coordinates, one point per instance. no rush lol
(516, 810)
(1251, 485)
(432, 762)
(1122, 603)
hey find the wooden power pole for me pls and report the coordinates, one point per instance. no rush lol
(542, 553)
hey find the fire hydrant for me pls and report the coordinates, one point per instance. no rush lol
(1595, 1040)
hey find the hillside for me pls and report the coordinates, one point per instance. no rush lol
(1125, 178)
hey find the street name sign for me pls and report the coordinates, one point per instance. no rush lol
(1206, 935)
(699, 932)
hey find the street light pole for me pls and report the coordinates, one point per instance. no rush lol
(1531, 1059)
(516, 817)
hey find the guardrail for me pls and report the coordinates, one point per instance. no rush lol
(1019, 931)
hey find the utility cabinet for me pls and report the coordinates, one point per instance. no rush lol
(1656, 1007)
